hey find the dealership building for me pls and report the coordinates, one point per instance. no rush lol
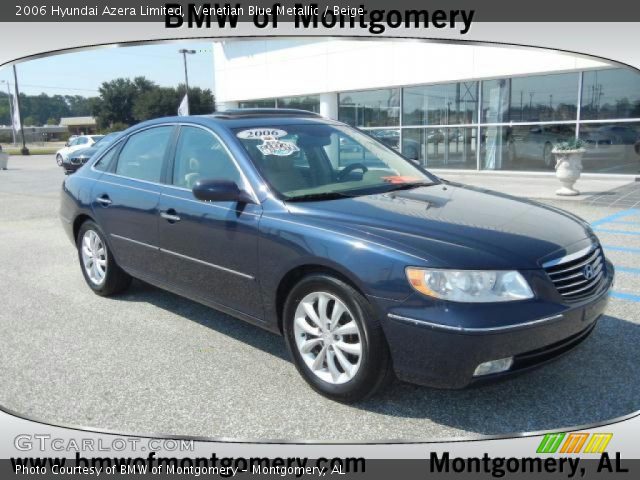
(448, 106)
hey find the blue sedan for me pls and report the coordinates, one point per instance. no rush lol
(368, 265)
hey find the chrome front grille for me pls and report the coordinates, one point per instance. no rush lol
(578, 277)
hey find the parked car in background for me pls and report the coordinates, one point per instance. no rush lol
(83, 141)
(79, 157)
(536, 143)
(365, 270)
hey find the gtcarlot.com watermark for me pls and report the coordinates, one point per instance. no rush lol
(48, 443)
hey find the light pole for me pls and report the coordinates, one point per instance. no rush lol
(13, 132)
(184, 53)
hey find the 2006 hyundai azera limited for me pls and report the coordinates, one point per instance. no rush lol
(369, 265)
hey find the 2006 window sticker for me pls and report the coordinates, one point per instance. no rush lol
(271, 143)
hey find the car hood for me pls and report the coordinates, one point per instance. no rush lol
(455, 226)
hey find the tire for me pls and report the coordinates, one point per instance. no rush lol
(104, 280)
(547, 157)
(361, 376)
(59, 160)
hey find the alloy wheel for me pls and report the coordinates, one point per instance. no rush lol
(328, 337)
(94, 257)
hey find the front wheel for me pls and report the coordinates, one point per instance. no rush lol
(59, 160)
(100, 270)
(335, 339)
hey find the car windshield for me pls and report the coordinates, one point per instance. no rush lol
(326, 161)
(107, 139)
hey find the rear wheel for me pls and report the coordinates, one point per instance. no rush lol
(99, 268)
(335, 339)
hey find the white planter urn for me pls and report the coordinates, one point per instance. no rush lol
(568, 170)
(4, 158)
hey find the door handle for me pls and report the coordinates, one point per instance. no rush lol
(104, 200)
(170, 216)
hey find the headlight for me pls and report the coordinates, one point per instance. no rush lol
(471, 286)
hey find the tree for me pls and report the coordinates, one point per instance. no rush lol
(163, 102)
(52, 121)
(117, 98)
(155, 103)
(201, 102)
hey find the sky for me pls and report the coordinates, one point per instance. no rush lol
(81, 73)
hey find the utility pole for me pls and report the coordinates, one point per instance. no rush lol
(184, 53)
(25, 150)
(13, 131)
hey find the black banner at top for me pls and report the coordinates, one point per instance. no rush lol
(437, 14)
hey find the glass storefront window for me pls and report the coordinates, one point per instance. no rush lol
(544, 98)
(263, 103)
(495, 100)
(450, 104)
(612, 93)
(370, 108)
(351, 152)
(522, 147)
(441, 147)
(308, 102)
(414, 144)
(611, 147)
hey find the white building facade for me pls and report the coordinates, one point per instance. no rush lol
(449, 106)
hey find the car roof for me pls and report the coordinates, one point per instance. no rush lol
(238, 118)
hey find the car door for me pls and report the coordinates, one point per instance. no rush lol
(209, 249)
(126, 196)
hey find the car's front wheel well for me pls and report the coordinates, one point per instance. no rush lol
(77, 223)
(295, 275)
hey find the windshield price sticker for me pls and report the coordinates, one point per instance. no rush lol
(261, 133)
(279, 148)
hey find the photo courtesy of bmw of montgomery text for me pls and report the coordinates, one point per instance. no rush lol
(368, 265)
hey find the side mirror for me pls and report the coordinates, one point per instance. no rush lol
(220, 191)
(66, 144)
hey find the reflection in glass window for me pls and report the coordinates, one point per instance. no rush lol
(450, 104)
(522, 147)
(263, 103)
(451, 147)
(143, 154)
(371, 108)
(495, 100)
(308, 102)
(544, 98)
(414, 144)
(200, 156)
(441, 147)
(612, 93)
(539, 98)
(611, 147)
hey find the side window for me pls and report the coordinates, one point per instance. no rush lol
(105, 161)
(141, 157)
(200, 155)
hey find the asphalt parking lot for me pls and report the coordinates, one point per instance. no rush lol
(151, 362)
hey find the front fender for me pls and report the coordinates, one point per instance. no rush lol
(286, 244)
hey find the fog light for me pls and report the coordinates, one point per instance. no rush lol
(493, 366)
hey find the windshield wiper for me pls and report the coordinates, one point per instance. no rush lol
(408, 186)
(318, 196)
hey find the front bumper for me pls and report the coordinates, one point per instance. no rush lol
(73, 163)
(440, 344)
